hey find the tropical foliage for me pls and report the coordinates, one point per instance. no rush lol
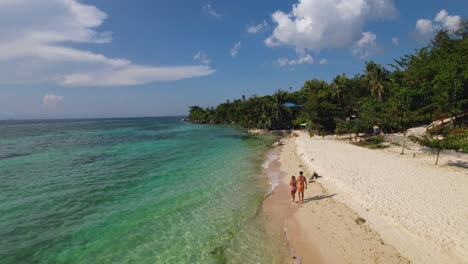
(420, 87)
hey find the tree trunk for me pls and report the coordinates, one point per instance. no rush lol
(404, 144)
(437, 160)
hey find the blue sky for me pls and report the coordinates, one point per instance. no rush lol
(122, 58)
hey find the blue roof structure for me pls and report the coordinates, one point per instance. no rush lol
(292, 105)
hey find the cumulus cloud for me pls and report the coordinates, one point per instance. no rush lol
(303, 59)
(202, 57)
(234, 50)
(35, 48)
(450, 22)
(426, 28)
(254, 29)
(366, 46)
(395, 41)
(318, 24)
(209, 9)
(52, 100)
(323, 61)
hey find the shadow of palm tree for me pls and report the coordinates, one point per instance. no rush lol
(460, 164)
(319, 197)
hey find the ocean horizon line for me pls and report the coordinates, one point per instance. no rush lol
(90, 118)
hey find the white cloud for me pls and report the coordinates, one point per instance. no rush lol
(452, 23)
(318, 24)
(209, 9)
(202, 57)
(366, 46)
(425, 28)
(35, 48)
(441, 16)
(52, 100)
(323, 61)
(234, 50)
(303, 59)
(395, 41)
(257, 28)
(134, 75)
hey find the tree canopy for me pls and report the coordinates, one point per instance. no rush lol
(428, 84)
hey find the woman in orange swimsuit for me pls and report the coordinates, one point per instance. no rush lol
(293, 184)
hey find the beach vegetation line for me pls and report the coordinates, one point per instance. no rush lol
(429, 84)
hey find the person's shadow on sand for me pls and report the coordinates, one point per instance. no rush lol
(319, 197)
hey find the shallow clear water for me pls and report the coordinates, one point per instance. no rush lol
(143, 190)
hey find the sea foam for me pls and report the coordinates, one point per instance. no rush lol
(273, 175)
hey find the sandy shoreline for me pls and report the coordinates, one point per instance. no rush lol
(278, 210)
(321, 230)
(414, 212)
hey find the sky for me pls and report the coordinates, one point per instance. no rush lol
(127, 58)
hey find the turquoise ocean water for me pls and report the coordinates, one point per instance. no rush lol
(142, 190)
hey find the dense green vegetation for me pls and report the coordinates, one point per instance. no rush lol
(427, 85)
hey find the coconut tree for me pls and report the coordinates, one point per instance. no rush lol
(337, 88)
(266, 116)
(280, 112)
(374, 77)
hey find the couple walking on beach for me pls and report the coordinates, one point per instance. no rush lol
(297, 185)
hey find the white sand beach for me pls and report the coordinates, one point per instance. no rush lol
(411, 206)
(322, 230)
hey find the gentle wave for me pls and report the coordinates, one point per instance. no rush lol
(273, 175)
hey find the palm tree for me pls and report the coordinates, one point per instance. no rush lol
(279, 110)
(266, 116)
(252, 111)
(373, 79)
(337, 86)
